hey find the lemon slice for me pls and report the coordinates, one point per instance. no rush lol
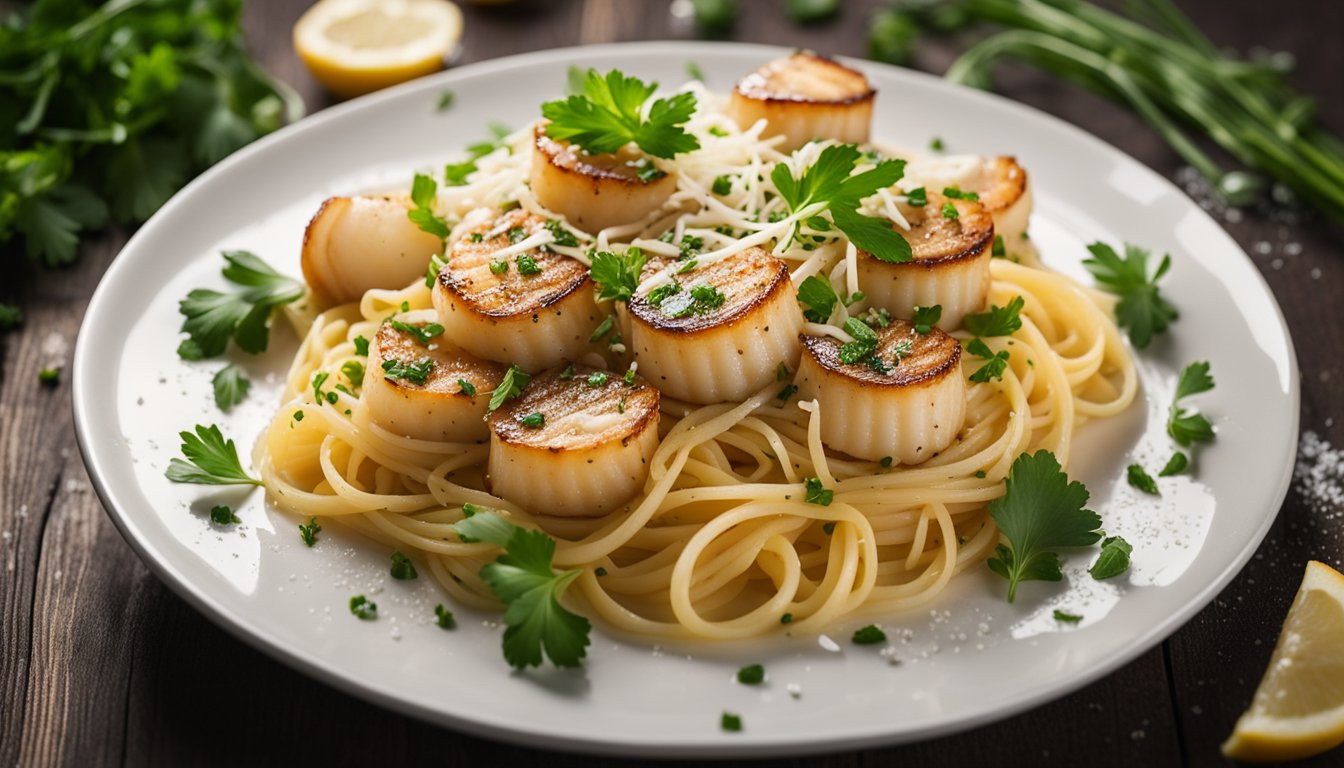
(354, 47)
(1298, 710)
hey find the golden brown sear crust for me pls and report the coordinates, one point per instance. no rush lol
(451, 365)
(807, 78)
(932, 356)
(579, 413)
(747, 280)
(936, 240)
(1008, 183)
(621, 166)
(469, 278)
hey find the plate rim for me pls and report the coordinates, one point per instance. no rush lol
(83, 396)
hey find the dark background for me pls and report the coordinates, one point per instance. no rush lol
(102, 665)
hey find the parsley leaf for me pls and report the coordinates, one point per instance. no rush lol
(816, 493)
(994, 369)
(424, 193)
(828, 180)
(423, 334)
(998, 321)
(416, 372)
(927, 317)
(730, 722)
(511, 386)
(1114, 558)
(432, 270)
(617, 275)
(213, 460)
(523, 578)
(363, 608)
(1067, 618)
(1175, 465)
(562, 235)
(863, 345)
(230, 387)
(1141, 309)
(607, 116)
(917, 197)
(1040, 511)
(1187, 427)
(1140, 479)
(308, 531)
(223, 515)
(869, 635)
(752, 674)
(212, 318)
(816, 294)
(444, 617)
(699, 300)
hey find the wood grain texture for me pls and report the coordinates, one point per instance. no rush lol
(102, 665)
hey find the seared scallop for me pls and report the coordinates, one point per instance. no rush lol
(906, 400)
(502, 300)
(354, 244)
(804, 97)
(594, 192)
(951, 249)
(717, 332)
(1000, 183)
(419, 385)
(576, 443)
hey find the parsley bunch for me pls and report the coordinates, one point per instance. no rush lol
(523, 578)
(106, 109)
(609, 114)
(828, 181)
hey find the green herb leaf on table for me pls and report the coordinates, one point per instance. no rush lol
(1113, 560)
(230, 387)
(210, 460)
(212, 318)
(1041, 511)
(1141, 310)
(530, 588)
(608, 115)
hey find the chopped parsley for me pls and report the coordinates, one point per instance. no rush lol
(950, 211)
(533, 420)
(998, 321)
(886, 462)
(223, 515)
(1067, 618)
(927, 317)
(598, 378)
(1141, 308)
(445, 100)
(722, 185)
(1187, 427)
(213, 460)
(423, 334)
(603, 328)
(416, 372)
(511, 386)
(786, 618)
(432, 270)
(674, 302)
(424, 193)
(752, 674)
(994, 369)
(444, 617)
(863, 345)
(936, 144)
(617, 275)
(212, 318)
(466, 387)
(629, 377)
(402, 567)
(353, 371)
(816, 493)
(308, 531)
(1114, 558)
(361, 346)
(1141, 479)
(956, 194)
(568, 373)
(1040, 511)
(1175, 465)
(363, 608)
(609, 114)
(917, 197)
(691, 246)
(869, 635)
(998, 250)
(516, 234)
(230, 387)
(499, 266)
(562, 235)
(788, 391)
(531, 589)
(731, 722)
(828, 181)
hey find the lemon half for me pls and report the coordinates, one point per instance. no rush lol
(353, 47)
(1298, 710)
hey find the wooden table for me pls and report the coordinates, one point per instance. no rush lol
(101, 664)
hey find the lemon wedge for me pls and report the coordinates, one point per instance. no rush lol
(353, 47)
(1298, 710)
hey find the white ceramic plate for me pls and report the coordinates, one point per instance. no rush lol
(970, 659)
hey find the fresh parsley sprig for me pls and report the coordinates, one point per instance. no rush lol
(617, 274)
(231, 387)
(424, 193)
(511, 386)
(828, 181)
(609, 114)
(997, 362)
(212, 318)
(531, 589)
(1141, 309)
(998, 321)
(1185, 426)
(1040, 512)
(211, 460)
